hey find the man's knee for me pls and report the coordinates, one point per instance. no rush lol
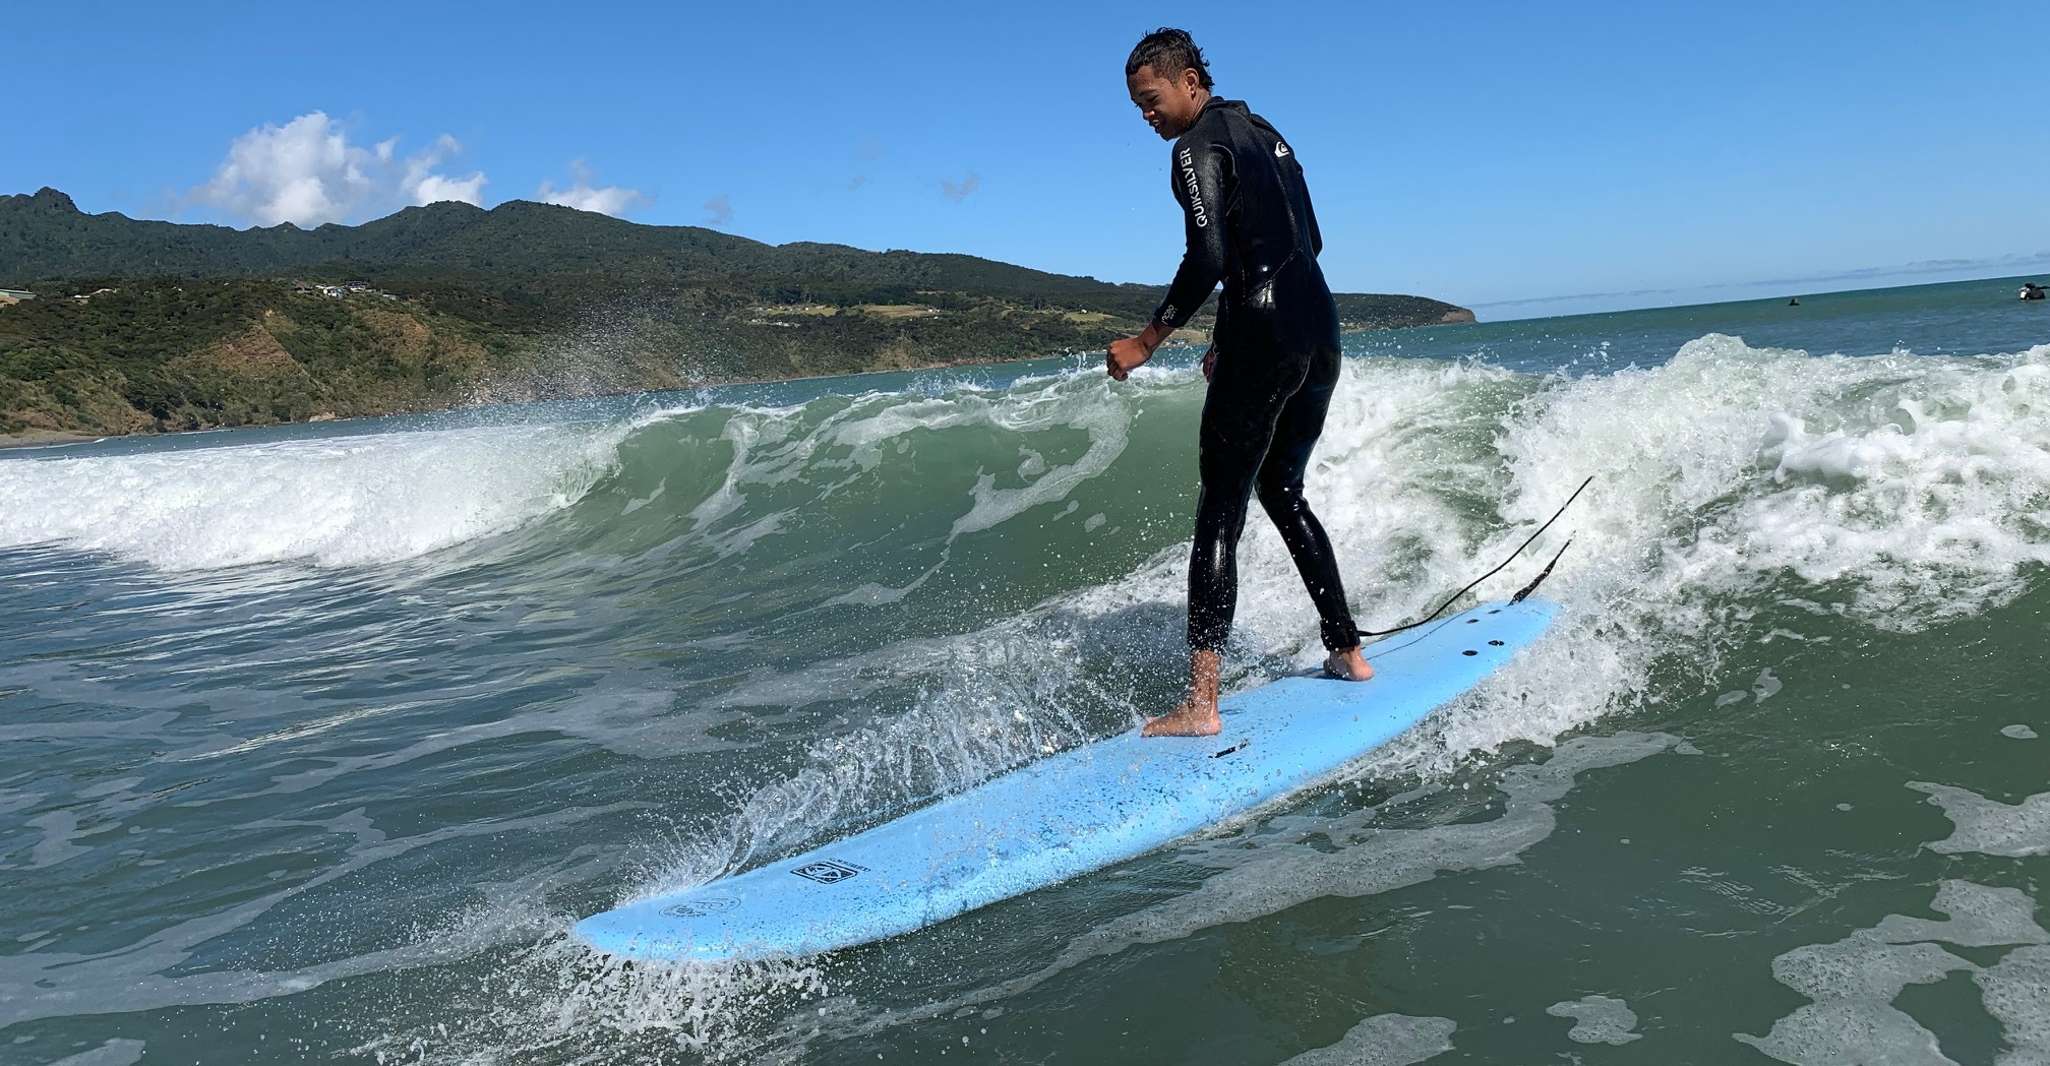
(1281, 496)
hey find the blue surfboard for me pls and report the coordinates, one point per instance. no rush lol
(1072, 813)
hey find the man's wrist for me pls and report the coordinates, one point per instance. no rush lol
(1154, 335)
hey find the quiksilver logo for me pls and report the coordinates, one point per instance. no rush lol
(1281, 149)
(1196, 210)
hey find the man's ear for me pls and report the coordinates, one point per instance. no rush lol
(1191, 81)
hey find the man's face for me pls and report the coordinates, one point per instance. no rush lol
(1169, 105)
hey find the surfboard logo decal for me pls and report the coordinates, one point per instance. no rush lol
(702, 908)
(828, 871)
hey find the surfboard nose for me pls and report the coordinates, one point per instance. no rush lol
(631, 933)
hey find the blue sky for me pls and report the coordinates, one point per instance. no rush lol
(1519, 158)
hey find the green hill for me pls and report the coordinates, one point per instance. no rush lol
(211, 326)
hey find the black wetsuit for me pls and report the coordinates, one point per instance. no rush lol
(1250, 225)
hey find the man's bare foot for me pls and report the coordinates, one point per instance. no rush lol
(1348, 665)
(1187, 720)
(1197, 715)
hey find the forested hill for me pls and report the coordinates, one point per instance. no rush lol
(45, 237)
(520, 287)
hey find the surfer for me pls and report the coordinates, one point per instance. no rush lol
(1272, 362)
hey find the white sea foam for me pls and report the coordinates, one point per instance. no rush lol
(1853, 1020)
(1384, 1040)
(2016, 992)
(332, 501)
(1854, 981)
(1988, 826)
(1598, 1020)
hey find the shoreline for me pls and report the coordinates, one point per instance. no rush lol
(45, 438)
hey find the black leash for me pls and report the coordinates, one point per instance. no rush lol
(1527, 589)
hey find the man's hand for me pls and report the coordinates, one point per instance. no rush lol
(1210, 361)
(1131, 353)
(1126, 355)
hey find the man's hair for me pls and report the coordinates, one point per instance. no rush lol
(1168, 51)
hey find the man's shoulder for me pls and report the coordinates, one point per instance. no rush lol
(1212, 127)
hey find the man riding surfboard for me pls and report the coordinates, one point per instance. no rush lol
(1272, 363)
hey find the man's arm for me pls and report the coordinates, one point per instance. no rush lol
(1200, 174)
(1316, 235)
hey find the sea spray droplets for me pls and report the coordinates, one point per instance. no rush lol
(964, 726)
(560, 1001)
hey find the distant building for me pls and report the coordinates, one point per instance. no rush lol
(15, 296)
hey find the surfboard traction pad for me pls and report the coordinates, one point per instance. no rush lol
(1071, 813)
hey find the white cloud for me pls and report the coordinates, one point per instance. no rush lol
(422, 186)
(434, 188)
(607, 200)
(306, 172)
(718, 210)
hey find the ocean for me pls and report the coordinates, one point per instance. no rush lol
(314, 741)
